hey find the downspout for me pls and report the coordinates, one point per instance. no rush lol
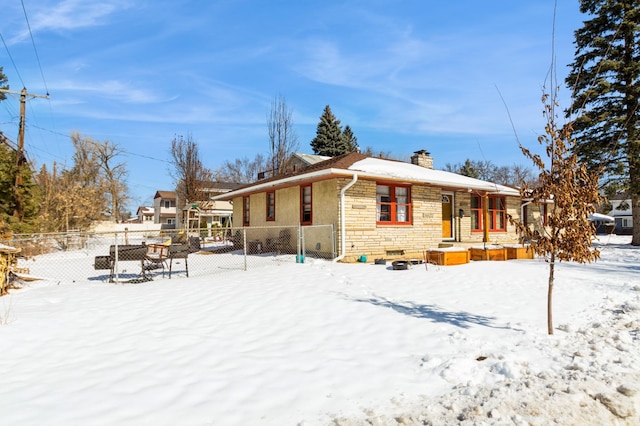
(523, 219)
(522, 206)
(343, 231)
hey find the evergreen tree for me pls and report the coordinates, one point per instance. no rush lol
(329, 139)
(605, 79)
(350, 139)
(27, 194)
(468, 170)
(3, 84)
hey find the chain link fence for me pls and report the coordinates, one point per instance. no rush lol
(134, 256)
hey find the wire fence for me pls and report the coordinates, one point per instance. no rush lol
(134, 256)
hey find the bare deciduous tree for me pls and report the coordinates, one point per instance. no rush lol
(189, 173)
(241, 170)
(283, 140)
(114, 175)
(514, 175)
(574, 192)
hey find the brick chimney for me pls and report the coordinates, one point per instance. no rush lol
(422, 158)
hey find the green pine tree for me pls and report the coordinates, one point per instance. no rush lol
(350, 139)
(469, 170)
(605, 80)
(26, 193)
(329, 139)
(4, 84)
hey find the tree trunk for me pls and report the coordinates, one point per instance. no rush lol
(635, 215)
(552, 265)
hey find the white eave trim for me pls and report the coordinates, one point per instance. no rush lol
(488, 187)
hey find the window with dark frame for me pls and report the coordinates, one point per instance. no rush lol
(306, 216)
(393, 204)
(245, 211)
(271, 206)
(497, 213)
(476, 213)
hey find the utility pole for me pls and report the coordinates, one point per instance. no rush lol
(21, 158)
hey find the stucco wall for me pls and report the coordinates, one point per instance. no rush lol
(287, 202)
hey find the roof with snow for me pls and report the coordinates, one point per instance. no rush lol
(374, 168)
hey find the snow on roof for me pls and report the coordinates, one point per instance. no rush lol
(600, 216)
(412, 172)
(375, 168)
(311, 158)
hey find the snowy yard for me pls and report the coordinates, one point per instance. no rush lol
(322, 343)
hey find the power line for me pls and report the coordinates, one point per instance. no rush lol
(33, 43)
(124, 151)
(12, 61)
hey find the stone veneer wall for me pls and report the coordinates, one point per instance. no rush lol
(463, 201)
(365, 237)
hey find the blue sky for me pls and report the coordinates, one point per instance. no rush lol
(403, 74)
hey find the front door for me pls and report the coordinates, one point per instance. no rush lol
(447, 216)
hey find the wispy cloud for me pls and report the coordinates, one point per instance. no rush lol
(69, 15)
(113, 89)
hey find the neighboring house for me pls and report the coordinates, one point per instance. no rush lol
(603, 223)
(209, 213)
(299, 161)
(145, 214)
(164, 208)
(621, 211)
(295, 163)
(381, 208)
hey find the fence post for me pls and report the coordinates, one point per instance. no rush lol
(298, 243)
(115, 265)
(244, 246)
(333, 243)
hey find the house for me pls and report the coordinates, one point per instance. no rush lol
(209, 213)
(621, 211)
(164, 208)
(604, 224)
(299, 161)
(296, 162)
(145, 214)
(381, 208)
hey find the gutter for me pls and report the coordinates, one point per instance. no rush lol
(261, 186)
(490, 188)
(343, 230)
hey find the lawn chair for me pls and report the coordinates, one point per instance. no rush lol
(179, 251)
(156, 257)
(282, 244)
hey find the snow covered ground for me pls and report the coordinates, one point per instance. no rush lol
(320, 343)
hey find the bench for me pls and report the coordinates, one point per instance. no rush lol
(150, 257)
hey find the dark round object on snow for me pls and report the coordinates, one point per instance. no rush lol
(399, 265)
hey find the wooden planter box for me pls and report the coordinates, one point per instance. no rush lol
(519, 252)
(448, 257)
(488, 253)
